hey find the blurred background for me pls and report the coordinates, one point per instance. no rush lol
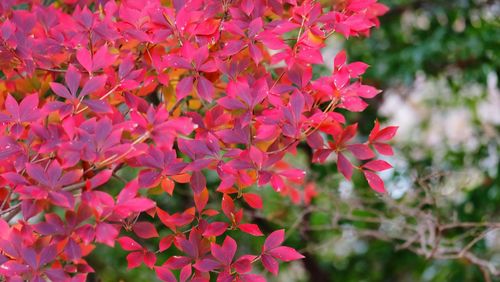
(438, 62)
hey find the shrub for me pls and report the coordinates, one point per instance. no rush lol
(160, 95)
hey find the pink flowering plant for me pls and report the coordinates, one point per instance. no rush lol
(170, 91)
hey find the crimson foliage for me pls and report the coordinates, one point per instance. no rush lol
(236, 94)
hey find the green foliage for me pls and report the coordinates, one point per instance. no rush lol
(433, 37)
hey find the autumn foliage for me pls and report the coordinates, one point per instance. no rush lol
(170, 91)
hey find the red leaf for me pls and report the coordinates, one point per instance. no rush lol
(340, 59)
(374, 131)
(94, 84)
(285, 253)
(135, 259)
(215, 229)
(98, 106)
(166, 242)
(186, 272)
(198, 182)
(201, 200)
(224, 253)
(207, 265)
(106, 234)
(247, 6)
(184, 87)
(344, 166)
(354, 104)
(231, 103)
(128, 244)
(361, 151)
(205, 88)
(253, 200)
(164, 274)
(84, 58)
(149, 259)
(244, 264)
(377, 165)
(386, 134)
(227, 205)
(101, 178)
(384, 149)
(145, 230)
(374, 181)
(73, 250)
(252, 278)
(60, 90)
(274, 240)
(177, 262)
(252, 229)
(167, 185)
(270, 264)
